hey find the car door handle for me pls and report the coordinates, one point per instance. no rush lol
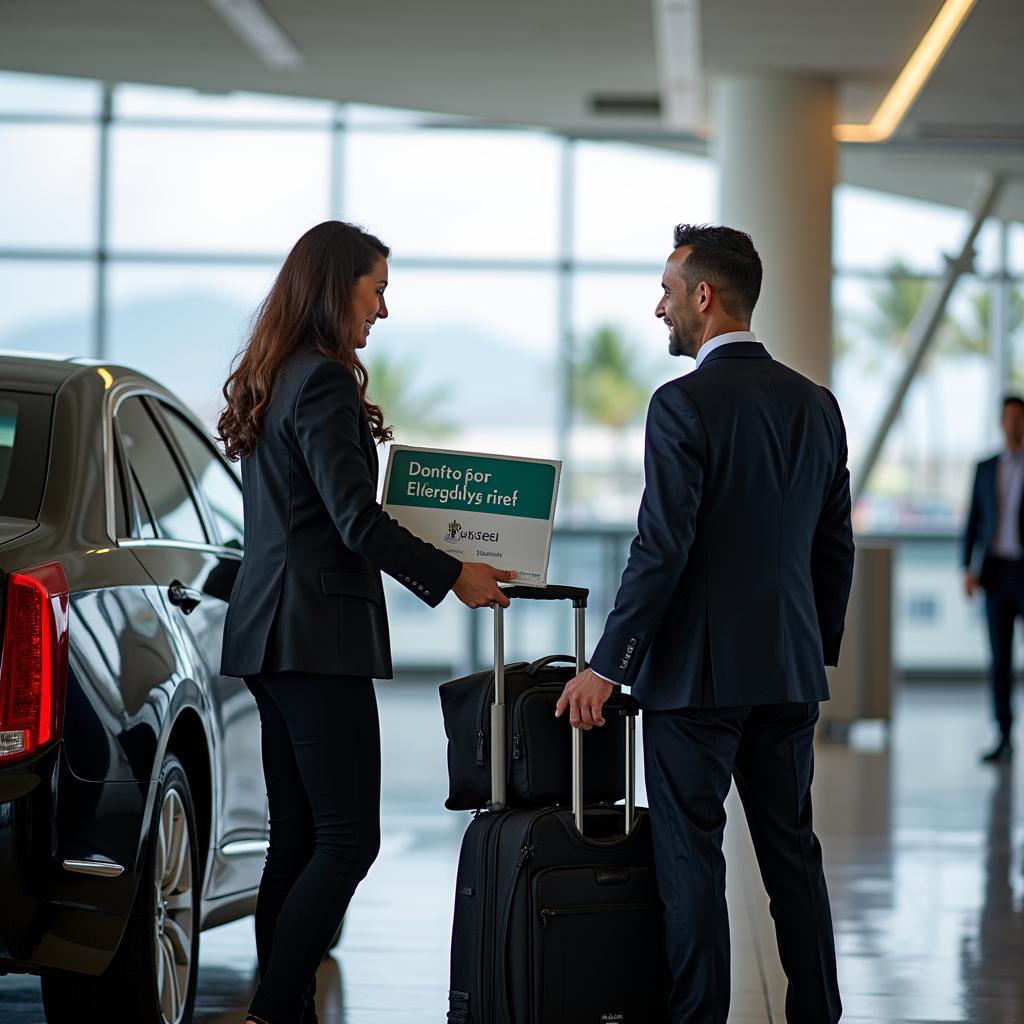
(184, 597)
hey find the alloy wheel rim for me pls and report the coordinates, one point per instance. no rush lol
(174, 919)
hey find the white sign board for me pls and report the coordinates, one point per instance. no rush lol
(497, 509)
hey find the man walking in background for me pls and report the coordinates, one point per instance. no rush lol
(994, 560)
(730, 606)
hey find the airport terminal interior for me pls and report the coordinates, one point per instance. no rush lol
(526, 164)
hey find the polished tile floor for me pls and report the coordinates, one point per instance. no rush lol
(925, 858)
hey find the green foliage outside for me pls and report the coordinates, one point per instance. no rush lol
(896, 300)
(416, 413)
(611, 383)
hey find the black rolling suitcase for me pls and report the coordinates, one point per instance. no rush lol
(557, 915)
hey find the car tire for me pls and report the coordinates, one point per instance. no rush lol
(152, 978)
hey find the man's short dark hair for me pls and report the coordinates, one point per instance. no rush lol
(727, 260)
(1009, 400)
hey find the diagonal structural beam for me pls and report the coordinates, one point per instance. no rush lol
(925, 326)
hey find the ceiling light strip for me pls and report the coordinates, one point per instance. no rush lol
(253, 23)
(677, 38)
(912, 78)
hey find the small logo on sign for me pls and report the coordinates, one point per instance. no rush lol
(454, 529)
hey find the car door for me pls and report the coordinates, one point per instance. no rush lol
(182, 551)
(220, 497)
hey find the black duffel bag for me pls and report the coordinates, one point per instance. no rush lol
(540, 769)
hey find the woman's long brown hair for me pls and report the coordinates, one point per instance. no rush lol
(308, 305)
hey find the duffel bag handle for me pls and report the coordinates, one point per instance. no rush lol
(551, 659)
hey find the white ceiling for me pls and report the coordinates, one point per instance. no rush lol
(543, 62)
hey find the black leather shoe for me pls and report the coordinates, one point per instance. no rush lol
(1003, 752)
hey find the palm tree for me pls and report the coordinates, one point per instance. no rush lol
(896, 301)
(972, 334)
(610, 384)
(899, 296)
(610, 388)
(411, 410)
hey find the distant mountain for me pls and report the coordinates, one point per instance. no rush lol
(187, 341)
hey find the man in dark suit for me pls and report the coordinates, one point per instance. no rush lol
(730, 606)
(993, 560)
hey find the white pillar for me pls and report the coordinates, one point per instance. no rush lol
(776, 158)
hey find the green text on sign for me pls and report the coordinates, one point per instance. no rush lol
(470, 483)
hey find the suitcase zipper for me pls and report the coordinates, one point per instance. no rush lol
(484, 882)
(594, 908)
(525, 853)
(484, 711)
(519, 733)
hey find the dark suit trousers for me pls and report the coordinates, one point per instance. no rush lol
(690, 756)
(1004, 602)
(321, 760)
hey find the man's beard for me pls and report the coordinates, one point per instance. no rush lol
(681, 341)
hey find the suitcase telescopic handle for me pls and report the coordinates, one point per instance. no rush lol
(499, 712)
(550, 592)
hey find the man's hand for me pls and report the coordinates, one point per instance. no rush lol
(477, 585)
(584, 695)
(971, 584)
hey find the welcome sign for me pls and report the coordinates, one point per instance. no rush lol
(497, 509)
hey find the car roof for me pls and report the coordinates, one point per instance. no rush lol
(40, 372)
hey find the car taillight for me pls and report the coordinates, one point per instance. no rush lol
(34, 660)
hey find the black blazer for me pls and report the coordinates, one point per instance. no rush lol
(308, 596)
(736, 587)
(983, 518)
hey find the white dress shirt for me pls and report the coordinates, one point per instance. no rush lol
(1007, 543)
(722, 339)
(730, 338)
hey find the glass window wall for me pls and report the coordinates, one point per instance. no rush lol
(523, 285)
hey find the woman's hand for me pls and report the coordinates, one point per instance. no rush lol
(477, 585)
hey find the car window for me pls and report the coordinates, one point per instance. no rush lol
(219, 485)
(122, 506)
(140, 519)
(161, 486)
(24, 444)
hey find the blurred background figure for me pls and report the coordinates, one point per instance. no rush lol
(994, 561)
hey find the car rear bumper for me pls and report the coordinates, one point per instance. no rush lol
(52, 917)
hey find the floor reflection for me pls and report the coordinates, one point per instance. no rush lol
(923, 847)
(991, 957)
(225, 990)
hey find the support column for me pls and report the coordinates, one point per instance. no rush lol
(776, 159)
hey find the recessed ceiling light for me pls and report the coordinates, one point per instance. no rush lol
(261, 33)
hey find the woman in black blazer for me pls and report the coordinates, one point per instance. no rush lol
(306, 625)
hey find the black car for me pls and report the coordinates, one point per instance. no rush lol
(132, 804)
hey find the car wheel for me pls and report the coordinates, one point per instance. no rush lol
(152, 978)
